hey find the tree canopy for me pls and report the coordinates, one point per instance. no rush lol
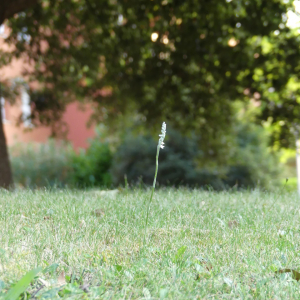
(184, 62)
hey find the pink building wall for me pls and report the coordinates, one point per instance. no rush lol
(74, 117)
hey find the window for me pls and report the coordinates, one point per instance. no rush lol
(26, 108)
(3, 109)
(2, 29)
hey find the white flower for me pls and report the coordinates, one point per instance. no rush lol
(162, 136)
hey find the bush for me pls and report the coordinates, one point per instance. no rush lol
(57, 164)
(36, 165)
(177, 166)
(251, 162)
(91, 167)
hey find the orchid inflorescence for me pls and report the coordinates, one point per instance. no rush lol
(159, 145)
(162, 136)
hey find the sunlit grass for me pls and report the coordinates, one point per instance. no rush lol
(199, 244)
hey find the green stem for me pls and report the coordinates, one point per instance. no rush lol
(153, 187)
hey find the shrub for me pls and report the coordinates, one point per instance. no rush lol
(177, 166)
(91, 167)
(36, 165)
(251, 161)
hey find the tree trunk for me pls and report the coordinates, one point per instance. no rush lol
(5, 170)
(7, 9)
(10, 7)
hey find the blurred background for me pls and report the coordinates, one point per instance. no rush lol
(86, 84)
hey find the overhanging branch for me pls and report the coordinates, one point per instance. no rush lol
(10, 7)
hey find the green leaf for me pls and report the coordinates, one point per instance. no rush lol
(295, 274)
(180, 252)
(22, 285)
(50, 294)
(118, 268)
(163, 293)
(2, 285)
(50, 269)
(27, 229)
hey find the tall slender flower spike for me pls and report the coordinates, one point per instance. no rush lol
(162, 136)
(159, 145)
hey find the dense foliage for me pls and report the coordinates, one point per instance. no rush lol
(90, 168)
(42, 165)
(183, 61)
(58, 165)
(181, 163)
(252, 162)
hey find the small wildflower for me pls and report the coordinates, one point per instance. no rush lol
(159, 145)
(162, 136)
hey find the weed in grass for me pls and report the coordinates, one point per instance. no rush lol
(159, 145)
(21, 285)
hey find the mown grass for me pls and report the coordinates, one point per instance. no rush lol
(199, 244)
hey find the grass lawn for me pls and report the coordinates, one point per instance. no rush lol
(199, 244)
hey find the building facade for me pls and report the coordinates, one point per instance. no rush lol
(75, 117)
